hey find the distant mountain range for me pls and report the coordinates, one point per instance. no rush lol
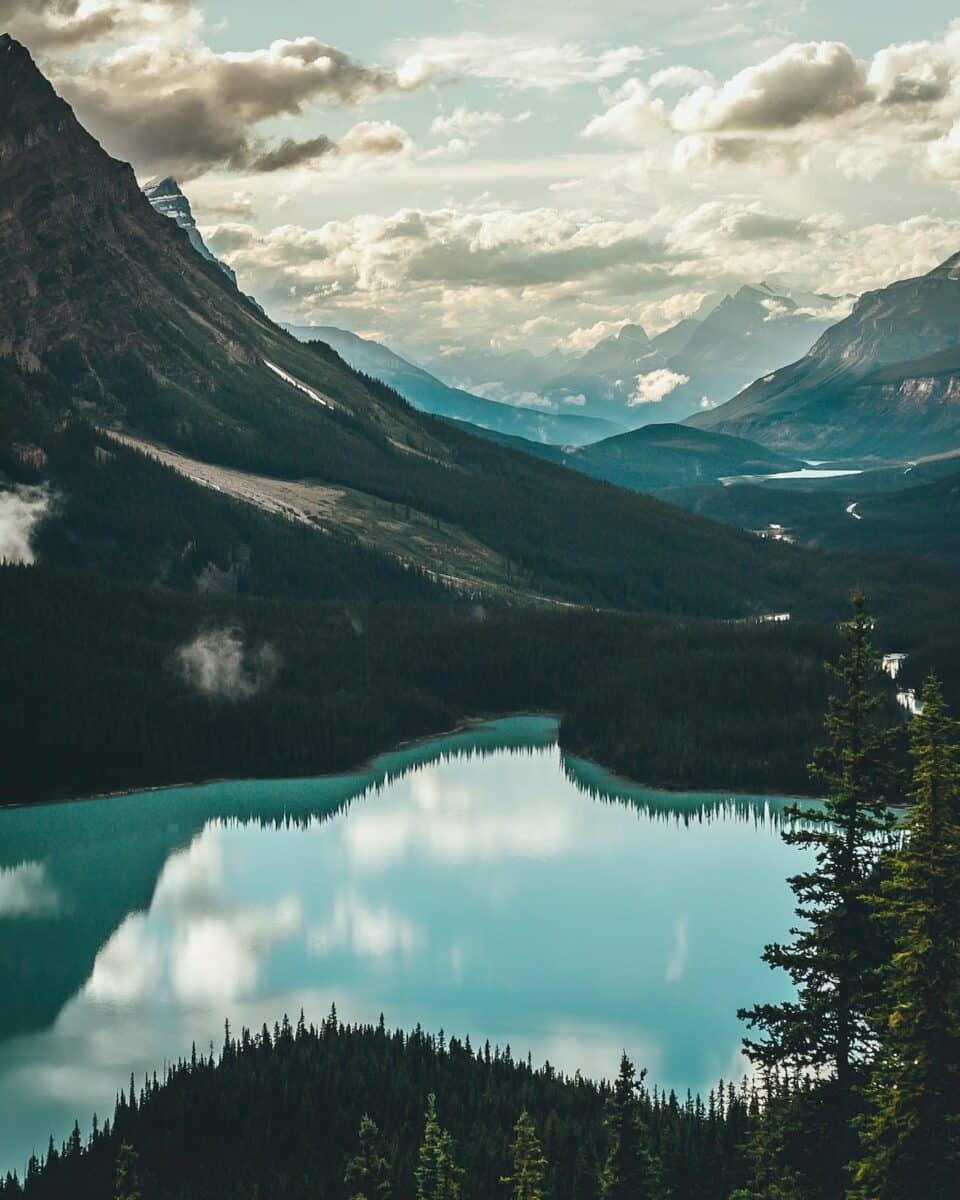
(885, 381)
(429, 394)
(635, 380)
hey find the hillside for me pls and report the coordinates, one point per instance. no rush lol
(428, 394)
(113, 320)
(658, 457)
(885, 381)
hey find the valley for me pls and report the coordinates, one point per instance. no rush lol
(517, 697)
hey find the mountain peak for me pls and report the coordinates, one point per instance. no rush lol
(26, 96)
(163, 188)
(948, 269)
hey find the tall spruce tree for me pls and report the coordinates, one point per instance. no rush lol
(910, 1136)
(630, 1171)
(836, 951)
(367, 1174)
(127, 1175)
(529, 1162)
(437, 1174)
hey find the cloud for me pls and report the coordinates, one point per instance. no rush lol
(366, 932)
(62, 24)
(27, 891)
(22, 509)
(179, 108)
(633, 116)
(803, 82)
(515, 61)
(291, 153)
(656, 385)
(218, 665)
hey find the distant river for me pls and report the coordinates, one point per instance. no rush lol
(481, 883)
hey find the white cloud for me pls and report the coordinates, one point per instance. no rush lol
(27, 891)
(515, 61)
(129, 967)
(21, 511)
(368, 932)
(656, 385)
(801, 83)
(218, 664)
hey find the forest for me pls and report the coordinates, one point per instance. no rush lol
(97, 700)
(856, 1087)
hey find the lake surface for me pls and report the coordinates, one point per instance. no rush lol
(481, 883)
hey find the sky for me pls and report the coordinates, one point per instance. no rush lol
(498, 175)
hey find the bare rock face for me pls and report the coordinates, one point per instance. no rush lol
(167, 198)
(95, 281)
(885, 381)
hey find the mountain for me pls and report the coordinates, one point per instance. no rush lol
(428, 394)
(751, 332)
(123, 351)
(658, 457)
(634, 380)
(167, 198)
(885, 381)
(604, 379)
(665, 456)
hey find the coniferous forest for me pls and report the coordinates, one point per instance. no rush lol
(856, 1084)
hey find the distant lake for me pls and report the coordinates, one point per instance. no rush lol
(481, 883)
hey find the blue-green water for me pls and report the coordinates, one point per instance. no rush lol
(480, 883)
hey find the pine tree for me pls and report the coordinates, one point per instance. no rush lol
(910, 1136)
(836, 950)
(367, 1174)
(529, 1163)
(630, 1172)
(128, 1178)
(437, 1174)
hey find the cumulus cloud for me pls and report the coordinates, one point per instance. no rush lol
(177, 107)
(59, 24)
(809, 102)
(22, 509)
(656, 385)
(803, 82)
(218, 664)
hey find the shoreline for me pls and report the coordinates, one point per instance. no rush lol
(464, 726)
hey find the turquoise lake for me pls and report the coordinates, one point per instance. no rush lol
(482, 883)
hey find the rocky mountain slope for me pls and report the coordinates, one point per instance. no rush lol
(111, 322)
(885, 381)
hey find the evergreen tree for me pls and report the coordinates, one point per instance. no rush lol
(529, 1162)
(630, 1171)
(128, 1178)
(437, 1174)
(836, 951)
(367, 1174)
(910, 1136)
